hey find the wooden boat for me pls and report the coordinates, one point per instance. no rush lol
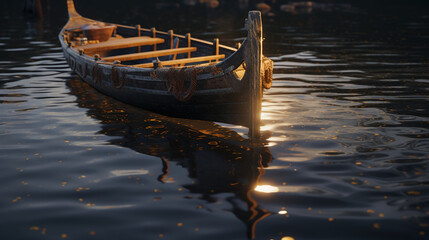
(171, 74)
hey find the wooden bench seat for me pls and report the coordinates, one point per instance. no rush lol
(183, 61)
(120, 43)
(150, 54)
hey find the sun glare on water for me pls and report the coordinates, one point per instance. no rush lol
(266, 189)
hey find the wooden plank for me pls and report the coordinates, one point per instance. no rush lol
(253, 59)
(151, 54)
(120, 43)
(184, 61)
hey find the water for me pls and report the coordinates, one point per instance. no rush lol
(346, 127)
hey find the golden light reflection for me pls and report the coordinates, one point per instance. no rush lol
(119, 173)
(288, 238)
(285, 189)
(299, 157)
(282, 212)
(266, 189)
(280, 138)
(271, 143)
(265, 116)
(93, 206)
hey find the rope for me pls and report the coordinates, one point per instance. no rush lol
(176, 79)
(176, 83)
(267, 74)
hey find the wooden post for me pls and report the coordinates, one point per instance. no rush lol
(153, 31)
(253, 60)
(170, 34)
(138, 27)
(216, 46)
(188, 40)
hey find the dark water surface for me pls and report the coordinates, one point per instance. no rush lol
(347, 126)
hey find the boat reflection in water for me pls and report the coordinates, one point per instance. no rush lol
(217, 158)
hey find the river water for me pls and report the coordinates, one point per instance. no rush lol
(344, 156)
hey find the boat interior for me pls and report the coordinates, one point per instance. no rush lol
(139, 47)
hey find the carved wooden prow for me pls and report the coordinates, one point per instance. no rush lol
(72, 10)
(253, 58)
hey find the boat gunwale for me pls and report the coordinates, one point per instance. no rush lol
(144, 74)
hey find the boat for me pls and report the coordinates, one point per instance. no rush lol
(171, 74)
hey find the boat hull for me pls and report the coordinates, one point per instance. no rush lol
(228, 104)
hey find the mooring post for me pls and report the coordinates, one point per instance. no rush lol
(254, 58)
